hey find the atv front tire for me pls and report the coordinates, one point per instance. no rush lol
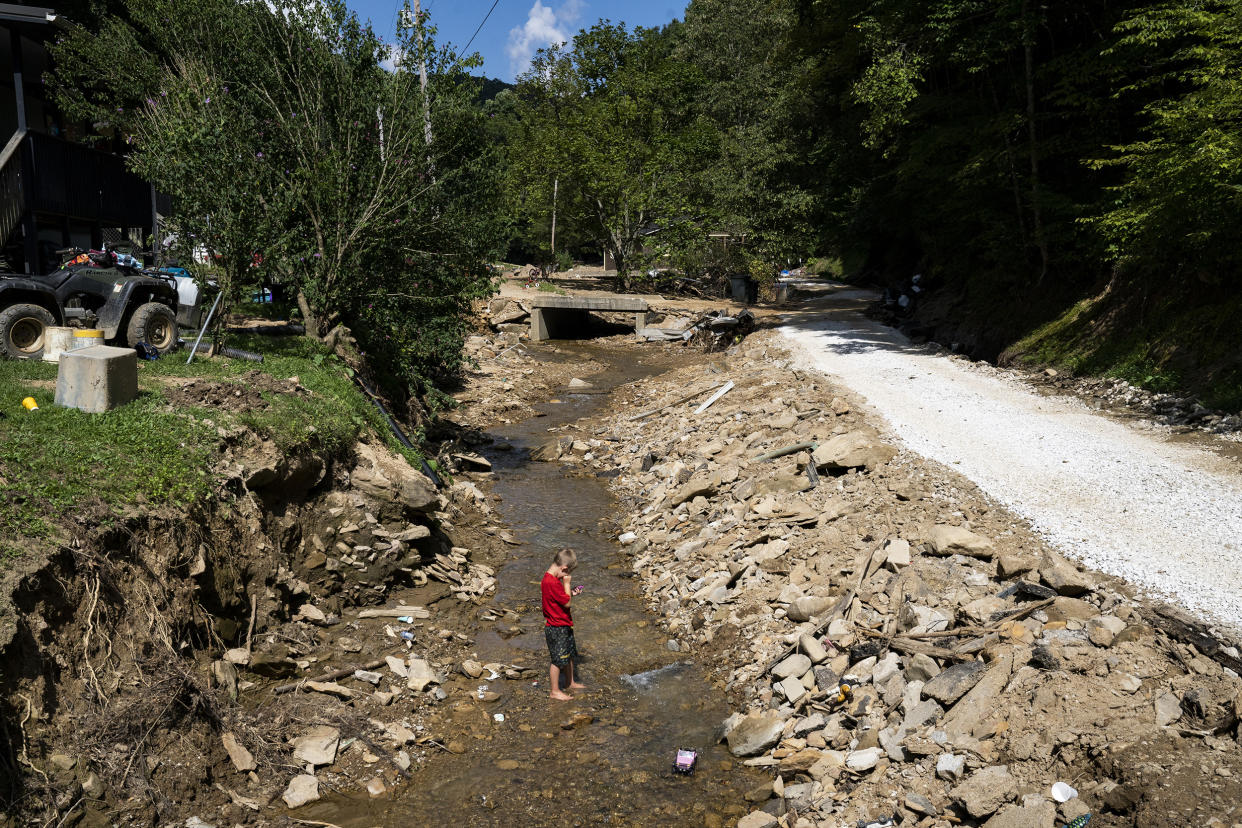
(154, 324)
(23, 331)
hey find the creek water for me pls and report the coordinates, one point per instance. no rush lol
(645, 701)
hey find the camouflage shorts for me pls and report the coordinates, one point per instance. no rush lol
(561, 645)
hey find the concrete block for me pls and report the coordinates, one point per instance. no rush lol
(97, 379)
(538, 325)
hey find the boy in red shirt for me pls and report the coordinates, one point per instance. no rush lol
(557, 587)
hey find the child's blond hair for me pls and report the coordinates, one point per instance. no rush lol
(566, 558)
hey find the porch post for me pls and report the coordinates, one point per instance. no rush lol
(15, 46)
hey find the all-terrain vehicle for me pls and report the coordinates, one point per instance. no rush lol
(127, 304)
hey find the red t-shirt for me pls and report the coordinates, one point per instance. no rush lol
(555, 602)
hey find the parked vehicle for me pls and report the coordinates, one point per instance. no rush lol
(127, 304)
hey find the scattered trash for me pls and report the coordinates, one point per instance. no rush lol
(1079, 822)
(499, 717)
(883, 822)
(482, 690)
(402, 613)
(30, 404)
(407, 635)
(685, 761)
(724, 389)
(1062, 792)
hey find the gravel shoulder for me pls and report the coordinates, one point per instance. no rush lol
(1119, 498)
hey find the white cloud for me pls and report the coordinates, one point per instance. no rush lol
(544, 27)
(393, 59)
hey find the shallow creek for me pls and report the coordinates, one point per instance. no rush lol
(643, 700)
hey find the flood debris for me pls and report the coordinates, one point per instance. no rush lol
(891, 636)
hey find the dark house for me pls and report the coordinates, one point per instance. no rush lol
(61, 184)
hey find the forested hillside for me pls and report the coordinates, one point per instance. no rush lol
(1065, 175)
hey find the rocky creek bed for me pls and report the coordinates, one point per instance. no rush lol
(982, 666)
(245, 664)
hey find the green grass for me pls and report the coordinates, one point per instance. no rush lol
(1166, 344)
(551, 287)
(56, 461)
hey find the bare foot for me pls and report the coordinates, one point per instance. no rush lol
(573, 685)
(557, 695)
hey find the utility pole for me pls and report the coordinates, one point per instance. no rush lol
(422, 76)
(555, 185)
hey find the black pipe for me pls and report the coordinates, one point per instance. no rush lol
(396, 430)
(235, 353)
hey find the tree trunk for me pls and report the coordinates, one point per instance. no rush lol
(1037, 217)
(314, 324)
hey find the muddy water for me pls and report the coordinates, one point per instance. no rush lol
(644, 701)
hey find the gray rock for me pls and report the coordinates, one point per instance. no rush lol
(1062, 576)
(950, 767)
(241, 758)
(1102, 629)
(825, 677)
(813, 649)
(419, 675)
(891, 739)
(953, 683)
(317, 746)
(853, 450)
(757, 819)
(925, 712)
(796, 665)
(792, 688)
(885, 669)
(897, 553)
(1035, 815)
(860, 761)
(920, 804)
(813, 722)
(977, 705)
(302, 789)
(1168, 709)
(984, 791)
(809, 606)
(921, 667)
(958, 540)
(754, 734)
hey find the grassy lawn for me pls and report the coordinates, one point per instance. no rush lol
(56, 461)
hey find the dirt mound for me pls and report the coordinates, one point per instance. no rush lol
(243, 394)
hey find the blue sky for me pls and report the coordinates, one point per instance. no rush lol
(517, 27)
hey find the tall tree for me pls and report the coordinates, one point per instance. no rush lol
(606, 117)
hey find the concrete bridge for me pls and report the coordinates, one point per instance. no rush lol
(553, 316)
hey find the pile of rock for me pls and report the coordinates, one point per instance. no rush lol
(902, 644)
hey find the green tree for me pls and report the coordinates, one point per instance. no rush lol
(606, 118)
(1178, 208)
(287, 142)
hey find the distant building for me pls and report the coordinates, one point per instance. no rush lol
(61, 184)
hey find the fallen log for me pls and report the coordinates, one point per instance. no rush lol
(1183, 627)
(332, 676)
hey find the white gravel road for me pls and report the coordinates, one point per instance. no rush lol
(1122, 499)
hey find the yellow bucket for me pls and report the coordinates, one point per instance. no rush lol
(30, 404)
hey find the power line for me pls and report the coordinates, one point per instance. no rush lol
(466, 49)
